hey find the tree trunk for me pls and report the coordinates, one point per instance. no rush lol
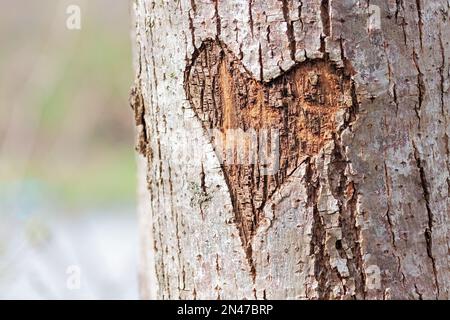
(293, 149)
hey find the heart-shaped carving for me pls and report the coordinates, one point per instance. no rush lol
(299, 109)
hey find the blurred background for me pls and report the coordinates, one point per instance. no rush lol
(67, 164)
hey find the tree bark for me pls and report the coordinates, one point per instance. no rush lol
(352, 98)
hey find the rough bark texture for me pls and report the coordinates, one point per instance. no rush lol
(359, 205)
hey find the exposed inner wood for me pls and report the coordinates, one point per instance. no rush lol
(298, 109)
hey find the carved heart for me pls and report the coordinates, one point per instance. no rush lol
(301, 105)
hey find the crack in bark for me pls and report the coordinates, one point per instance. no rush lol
(400, 6)
(260, 60)
(322, 266)
(420, 87)
(325, 17)
(289, 28)
(442, 78)
(217, 16)
(358, 249)
(388, 211)
(137, 104)
(429, 230)
(192, 28)
(300, 7)
(344, 190)
(418, 292)
(250, 16)
(394, 85)
(420, 22)
(194, 6)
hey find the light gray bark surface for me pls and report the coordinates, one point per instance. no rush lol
(366, 217)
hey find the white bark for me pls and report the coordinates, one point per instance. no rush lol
(365, 217)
